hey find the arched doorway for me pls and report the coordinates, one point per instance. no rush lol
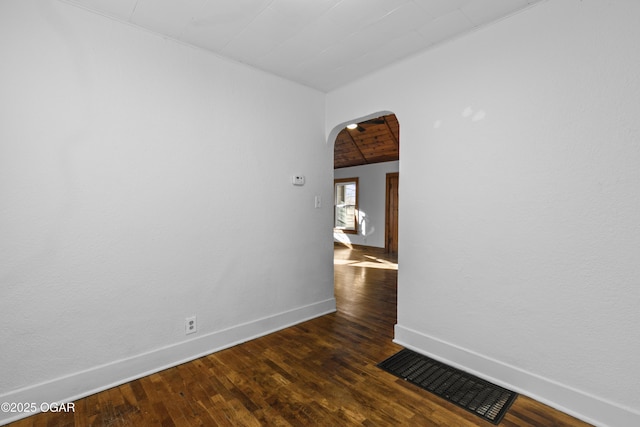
(365, 213)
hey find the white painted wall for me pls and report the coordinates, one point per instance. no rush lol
(520, 202)
(143, 181)
(371, 201)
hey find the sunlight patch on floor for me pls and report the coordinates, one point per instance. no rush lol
(374, 263)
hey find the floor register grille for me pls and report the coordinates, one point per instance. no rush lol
(482, 398)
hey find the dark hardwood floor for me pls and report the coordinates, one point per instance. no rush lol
(319, 373)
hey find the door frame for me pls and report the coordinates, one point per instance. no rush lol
(391, 213)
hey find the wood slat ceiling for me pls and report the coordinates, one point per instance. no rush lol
(374, 141)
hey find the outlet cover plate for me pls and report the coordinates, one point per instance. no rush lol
(190, 326)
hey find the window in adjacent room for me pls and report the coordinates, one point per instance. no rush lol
(346, 205)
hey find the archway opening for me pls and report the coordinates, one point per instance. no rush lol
(366, 155)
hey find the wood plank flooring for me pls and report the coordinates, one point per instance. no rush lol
(319, 373)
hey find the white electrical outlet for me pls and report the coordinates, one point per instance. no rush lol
(190, 326)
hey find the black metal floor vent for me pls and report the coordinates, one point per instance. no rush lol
(488, 401)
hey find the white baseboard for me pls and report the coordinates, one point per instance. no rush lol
(584, 406)
(99, 378)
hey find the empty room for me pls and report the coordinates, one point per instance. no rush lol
(180, 243)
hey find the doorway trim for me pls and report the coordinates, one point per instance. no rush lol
(391, 212)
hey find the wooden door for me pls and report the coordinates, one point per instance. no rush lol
(391, 214)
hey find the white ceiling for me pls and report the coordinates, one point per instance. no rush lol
(320, 43)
